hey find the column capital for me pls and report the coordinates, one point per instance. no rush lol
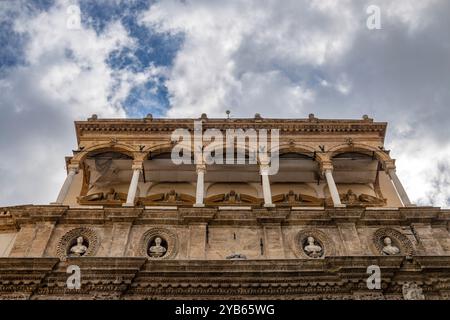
(264, 169)
(137, 165)
(326, 166)
(200, 168)
(75, 167)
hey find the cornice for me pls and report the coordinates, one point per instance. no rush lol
(305, 126)
(138, 277)
(13, 217)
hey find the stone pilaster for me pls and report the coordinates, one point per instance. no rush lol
(120, 236)
(350, 238)
(43, 233)
(197, 240)
(24, 238)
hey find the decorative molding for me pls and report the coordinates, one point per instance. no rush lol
(286, 125)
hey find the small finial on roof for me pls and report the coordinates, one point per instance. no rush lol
(149, 116)
(258, 116)
(93, 117)
(203, 116)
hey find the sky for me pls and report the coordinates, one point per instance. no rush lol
(172, 58)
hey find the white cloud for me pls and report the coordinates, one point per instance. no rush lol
(294, 57)
(280, 59)
(230, 48)
(65, 77)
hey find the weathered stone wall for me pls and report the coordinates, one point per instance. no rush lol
(212, 234)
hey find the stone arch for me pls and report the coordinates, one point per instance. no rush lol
(105, 147)
(160, 149)
(358, 148)
(292, 147)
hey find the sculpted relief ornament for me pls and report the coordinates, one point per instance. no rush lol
(312, 244)
(411, 291)
(159, 243)
(391, 242)
(111, 197)
(78, 242)
(351, 199)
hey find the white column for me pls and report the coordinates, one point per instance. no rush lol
(333, 189)
(67, 184)
(201, 168)
(133, 185)
(399, 187)
(264, 171)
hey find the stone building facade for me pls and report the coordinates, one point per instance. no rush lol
(139, 226)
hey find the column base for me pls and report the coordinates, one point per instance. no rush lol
(340, 205)
(199, 205)
(128, 205)
(269, 205)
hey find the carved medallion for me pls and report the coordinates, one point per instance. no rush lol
(389, 241)
(159, 243)
(78, 242)
(312, 244)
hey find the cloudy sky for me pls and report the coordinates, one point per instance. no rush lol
(181, 58)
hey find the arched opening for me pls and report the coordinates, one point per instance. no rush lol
(357, 178)
(291, 186)
(106, 177)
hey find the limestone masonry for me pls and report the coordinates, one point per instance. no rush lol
(139, 226)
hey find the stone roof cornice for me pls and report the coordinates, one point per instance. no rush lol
(305, 126)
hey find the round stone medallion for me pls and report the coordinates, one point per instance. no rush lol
(312, 244)
(159, 243)
(78, 242)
